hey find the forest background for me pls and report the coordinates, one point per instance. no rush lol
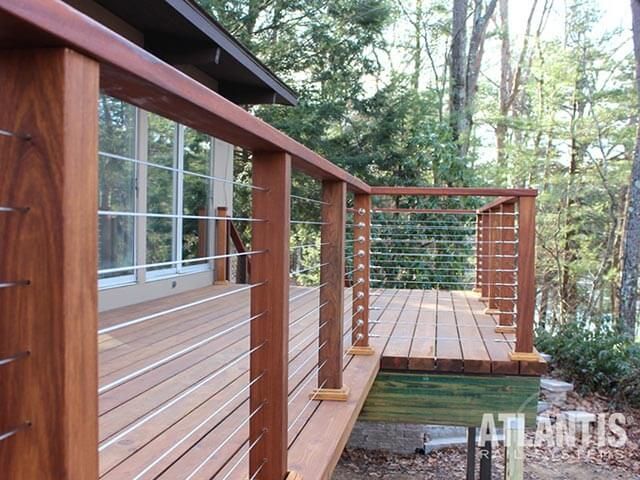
(520, 93)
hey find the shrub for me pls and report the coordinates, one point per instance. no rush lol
(596, 359)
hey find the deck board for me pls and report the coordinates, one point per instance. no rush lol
(190, 413)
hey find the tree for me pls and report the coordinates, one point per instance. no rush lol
(631, 241)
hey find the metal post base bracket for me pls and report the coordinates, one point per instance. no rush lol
(334, 394)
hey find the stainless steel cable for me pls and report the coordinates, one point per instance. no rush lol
(118, 213)
(169, 404)
(200, 425)
(173, 356)
(244, 455)
(179, 308)
(14, 358)
(14, 431)
(310, 200)
(22, 136)
(310, 312)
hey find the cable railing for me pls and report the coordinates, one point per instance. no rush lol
(217, 380)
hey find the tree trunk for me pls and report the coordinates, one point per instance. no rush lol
(505, 83)
(631, 238)
(457, 86)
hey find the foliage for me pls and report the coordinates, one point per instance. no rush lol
(596, 358)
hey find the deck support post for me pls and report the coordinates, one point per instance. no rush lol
(222, 247)
(361, 247)
(48, 325)
(331, 317)
(526, 280)
(270, 301)
(514, 448)
(471, 453)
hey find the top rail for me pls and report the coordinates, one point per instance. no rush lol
(455, 191)
(132, 74)
(497, 202)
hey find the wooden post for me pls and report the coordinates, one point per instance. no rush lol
(48, 395)
(514, 448)
(507, 251)
(485, 256)
(330, 357)
(362, 243)
(493, 263)
(526, 280)
(222, 247)
(270, 332)
(479, 253)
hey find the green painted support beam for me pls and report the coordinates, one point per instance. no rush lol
(442, 399)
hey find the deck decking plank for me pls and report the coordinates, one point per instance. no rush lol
(423, 348)
(396, 352)
(448, 350)
(475, 356)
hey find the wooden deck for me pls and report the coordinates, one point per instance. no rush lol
(164, 418)
(442, 331)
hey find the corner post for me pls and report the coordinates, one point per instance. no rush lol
(48, 325)
(331, 318)
(526, 279)
(361, 246)
(270, 300)
(222, 246)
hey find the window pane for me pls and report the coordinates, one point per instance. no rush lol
(196, 194)
(161, 195)
(116, 234)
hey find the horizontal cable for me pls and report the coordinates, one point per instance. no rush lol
(14, 358)
(184, 394)
(17, 283)
(310, 312)
(306, 360)
(304, 270)
(445, 269)
(176, 309)
(175, 262)
(309, 245)
(175, 355)
(313, 336)
(176, 215)
(359, 268)
(304, 294)
(258, 470)
(309, 402)
(244, 455)
(177, 170)
(307, 222)
(226, 440)
(200, 425)
(309, 376)
(386, 254)
(14, 431)
(22, 136)
(310, 200)
(404, 337)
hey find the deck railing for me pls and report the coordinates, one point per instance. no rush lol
(48, 273)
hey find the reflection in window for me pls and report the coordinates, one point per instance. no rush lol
(196, 193)
(161, 191)
(116, 234)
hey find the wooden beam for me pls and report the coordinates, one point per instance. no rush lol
(222, 247)
(52, 96)
(132, 74)
(526, 279)
(331, 317)
(443, 399)
(362, 242)
(455, 191)
(270, 332)
(497, 202)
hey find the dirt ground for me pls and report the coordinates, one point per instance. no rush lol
(582, 462)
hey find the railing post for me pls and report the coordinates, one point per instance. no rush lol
(222, 246)
(486, 243)
(331, 318)
(507, 252)
(270, 299)
(48, 246)
(526, 280)
(361, 247)
(479, 253)
(493, 261)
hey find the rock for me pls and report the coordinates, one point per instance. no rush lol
(555, 386)
(546, 357)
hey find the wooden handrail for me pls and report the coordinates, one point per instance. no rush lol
(455, 191)
(497, 202)
(130, 73)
